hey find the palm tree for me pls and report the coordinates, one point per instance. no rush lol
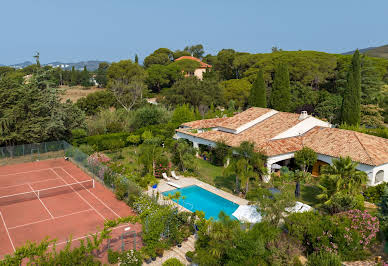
(347, 178)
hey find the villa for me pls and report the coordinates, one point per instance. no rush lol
(203, 67)
(278, 135)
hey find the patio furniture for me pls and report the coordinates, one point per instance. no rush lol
(174, 175)
(174, 184)
(166, 177)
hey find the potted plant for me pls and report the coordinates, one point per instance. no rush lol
(146, 257)
(159, 251)
(189, 256)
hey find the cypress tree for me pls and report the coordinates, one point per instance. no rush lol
(351, 104)
(136, 59)
(85, 78)
(281, 91)
(258, 96)
(73, 77)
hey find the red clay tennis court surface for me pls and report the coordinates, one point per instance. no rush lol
(57, 199)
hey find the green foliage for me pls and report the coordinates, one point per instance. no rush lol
(134, 139)
(105, 142)
(149, 115)
(113, 256)
(172, 262)
(130, 258)
(101, 76)
(183, 156)
(194, 92)
(195, 50)
(374, 193)
(96, 101)
(160, 76)
(258, 95)
(225, 242)
(383, 212)
(32, 112)
(305, 158)
(324, 259)
(236, 90)
(342, 234)
(281, 93)
(220, 153)
(162, 56)
(351, 109)
(78, 133)
(182, 114)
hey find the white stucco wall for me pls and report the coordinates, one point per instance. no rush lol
(199, 73)
(370, 170)
(302, 127)
(195, 140)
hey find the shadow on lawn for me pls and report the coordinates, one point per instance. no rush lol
(228, 182)
(309, 194)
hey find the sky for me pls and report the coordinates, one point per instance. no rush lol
(112, 30)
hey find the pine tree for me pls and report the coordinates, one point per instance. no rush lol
(281, 92)
(258, 96)
(136, 59)
(351, 105)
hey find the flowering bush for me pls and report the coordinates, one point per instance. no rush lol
(348, 234)
(130, 258)
(100, 157)
(161, 166)
(364, 224)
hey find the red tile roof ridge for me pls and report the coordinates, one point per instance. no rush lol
(362, 145)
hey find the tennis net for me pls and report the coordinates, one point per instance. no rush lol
(46, 192)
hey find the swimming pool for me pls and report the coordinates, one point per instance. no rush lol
(199, 199)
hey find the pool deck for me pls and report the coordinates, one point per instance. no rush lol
(190, 181)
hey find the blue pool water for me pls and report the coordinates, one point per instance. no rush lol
(199, 199)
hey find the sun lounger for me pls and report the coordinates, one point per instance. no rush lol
(166, 177)
(174, 175)
(173, 184)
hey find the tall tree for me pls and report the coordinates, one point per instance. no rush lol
(136, 59)
(73, 77)
(101, 76)
(258, 95)
(85, 77)
(195, 50)
(304, 158)
(351, 105)
(281, 91)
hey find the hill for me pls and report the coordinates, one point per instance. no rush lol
(381, 51)
(91, 65)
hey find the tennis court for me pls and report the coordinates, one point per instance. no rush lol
(55, 198)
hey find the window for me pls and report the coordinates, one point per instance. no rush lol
(379, 176)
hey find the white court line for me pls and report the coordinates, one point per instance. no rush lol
(45, 220)
(52, 217)
(78, 238)
(93, 195)
(26, 172)
(30, 183)
(2, 218)
(80, 196)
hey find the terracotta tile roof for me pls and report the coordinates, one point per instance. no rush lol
(202, 64)
(362, 148)
(334, 142)
(205, 123)
(244, 117)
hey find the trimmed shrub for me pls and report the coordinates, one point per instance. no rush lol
(343, 202)
(78, 133)
(173, 262)
(134, 139)
(324, 259)
(87, 149)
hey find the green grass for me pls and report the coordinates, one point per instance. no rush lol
(213, 175)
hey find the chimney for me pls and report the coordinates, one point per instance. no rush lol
(303, 115)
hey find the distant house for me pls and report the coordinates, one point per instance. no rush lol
(200, 70)
(278, 135)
